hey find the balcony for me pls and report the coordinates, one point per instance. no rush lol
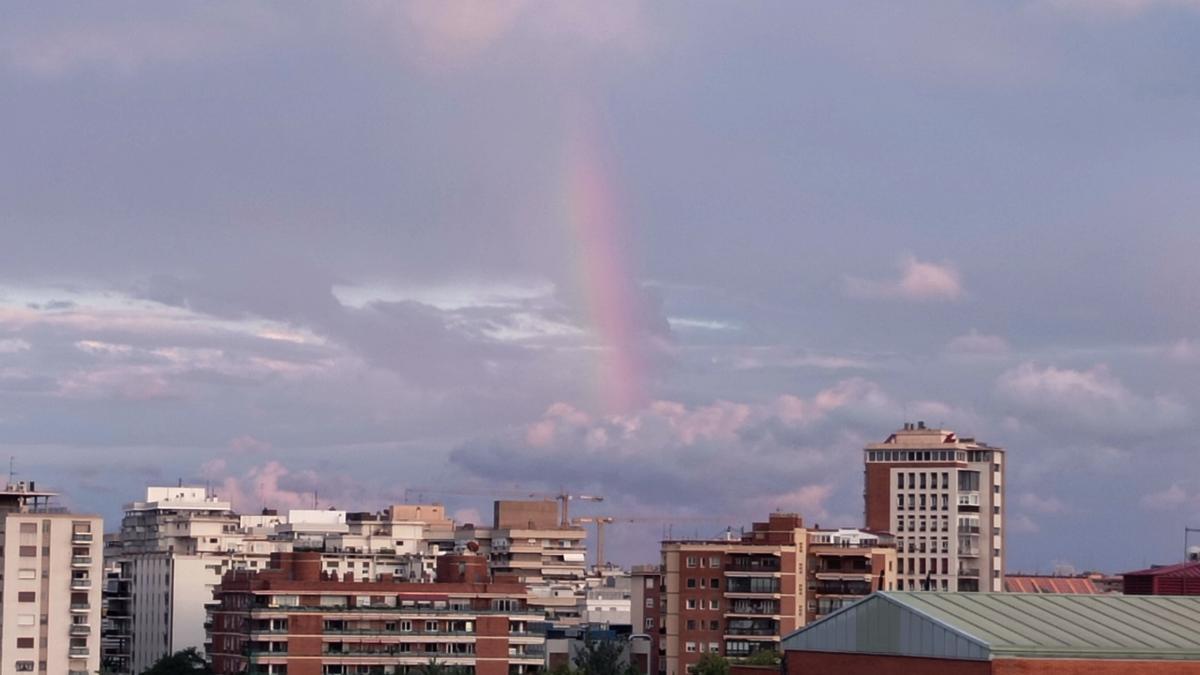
(968, 571)
(80, 607)
(81, 584)
(968, 552)
(968, 529)
(81, 561)
(79, 652)
(734, 586)
(81, 629)
(81, 537)
(769, 564)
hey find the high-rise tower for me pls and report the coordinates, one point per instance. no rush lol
(943, 497)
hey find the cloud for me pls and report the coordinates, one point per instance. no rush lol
(1092, 401)
(974, 343)
(919, 281)
(1120, 8)
(1167, 499)
(1022, 524)
(1039, 504)
(788, 452)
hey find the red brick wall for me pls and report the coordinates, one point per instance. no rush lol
(824, 663)
(739, 669)
(878, 497)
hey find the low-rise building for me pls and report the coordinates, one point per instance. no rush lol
(297, 619)
(1181, 579)
(916, 633)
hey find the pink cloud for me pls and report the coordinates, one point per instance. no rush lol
(918, 281)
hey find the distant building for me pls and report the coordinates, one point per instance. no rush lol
(942, 495)
(1080, 584)
(297, 619)
(1181, 579)
(174, 547)
(51, 584)
(528, 542)
(741, 594)
(647, 599)
(918, 633)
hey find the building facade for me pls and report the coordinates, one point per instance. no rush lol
(297, 619)
(52, 577)
(647, 595)
(739, 595)
(943, 497)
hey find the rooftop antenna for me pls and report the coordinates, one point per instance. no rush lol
(12, 471)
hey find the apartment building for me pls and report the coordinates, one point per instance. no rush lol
(741, 594)
(174, 547)
(298, 619)
(942, 496)
(52, 572)
(844, 565)
(647, 594)
(528, 542)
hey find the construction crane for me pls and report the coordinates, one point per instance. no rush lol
(601, 521)
(563, 497)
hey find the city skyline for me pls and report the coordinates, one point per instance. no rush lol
(692, 259)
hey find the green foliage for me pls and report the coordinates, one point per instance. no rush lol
(563, 669)
(711, 664)
(604, 657)
(763, 657)
(186, 662)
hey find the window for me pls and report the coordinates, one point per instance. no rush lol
(649, 582)
(431, 626)
(716, 582)
(24, 666)
(26, 596)
(28, 551)
(691, 583)
(996, 510)
(691, 561)
(715, 562)
(714, 648)
(912, 481)
(900, 502)
(945, 480)
(714, 604)
(650, 603)
(24, 643)
(900, 481)
(649, 622)
(691, 647)
(922, 505)
(691, 624)
(406, 626)
(922, 480)
(714, 625)
(996, 489)
(691, 603)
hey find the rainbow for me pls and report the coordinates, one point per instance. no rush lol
(610, 293)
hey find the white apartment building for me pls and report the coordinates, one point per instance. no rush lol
(174, 547)
(52, 573)
(942, 496)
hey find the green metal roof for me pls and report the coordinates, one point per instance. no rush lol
(1007, 625)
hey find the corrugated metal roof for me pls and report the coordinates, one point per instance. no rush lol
(1006, 625)
(1187, 569)
(1043, 584)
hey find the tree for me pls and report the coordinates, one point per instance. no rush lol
(186, 662)
(763, 657)
(604, 657)
(435, 667)
(711, 664)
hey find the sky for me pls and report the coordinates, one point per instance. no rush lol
(688, 256)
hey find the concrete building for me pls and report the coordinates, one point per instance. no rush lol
(647, 595)
(52, 573)
(943, 497)
(739, 595)
(297, 619)
(174, 547)
(844, 565)
(915, 633)
(528, 542)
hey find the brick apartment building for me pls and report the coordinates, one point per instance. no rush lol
(736, 596)
(294, 618)
(646, 604)
(942, 495)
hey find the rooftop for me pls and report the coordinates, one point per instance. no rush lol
(985, 626)
(1037, 583)
(1187, 569)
